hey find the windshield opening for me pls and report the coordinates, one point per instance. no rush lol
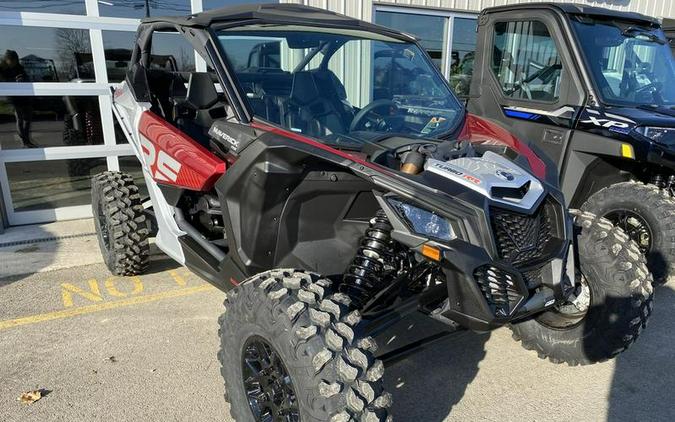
(343, 87)
(631, 64)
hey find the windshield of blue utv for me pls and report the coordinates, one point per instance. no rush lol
(631, 64)
(340, 86)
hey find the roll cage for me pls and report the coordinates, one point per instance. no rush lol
(200, 31)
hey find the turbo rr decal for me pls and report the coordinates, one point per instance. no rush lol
(174, 158)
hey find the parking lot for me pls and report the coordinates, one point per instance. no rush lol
(143, 348)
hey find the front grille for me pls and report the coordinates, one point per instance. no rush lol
(532, 278)
(522, 238)
(499, 289)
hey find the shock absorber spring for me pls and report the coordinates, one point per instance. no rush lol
(363, 278)
(659, 181)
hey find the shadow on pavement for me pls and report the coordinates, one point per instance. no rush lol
(644, 375)
(20, 258)
(426, 384)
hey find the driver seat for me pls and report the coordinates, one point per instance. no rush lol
(310, 112)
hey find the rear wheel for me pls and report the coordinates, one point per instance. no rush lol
(290, 351)
(121, 226)
(648, 218)
(610, 307)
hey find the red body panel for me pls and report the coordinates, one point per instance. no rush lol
(477, 129)
(356, 157)
(176, 159)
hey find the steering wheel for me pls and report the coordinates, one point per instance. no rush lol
(363, 115)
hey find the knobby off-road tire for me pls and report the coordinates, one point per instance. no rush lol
(621, 293)
(656, 210)
(332, 371)
(121, 226)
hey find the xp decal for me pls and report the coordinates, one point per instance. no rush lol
(612, 122)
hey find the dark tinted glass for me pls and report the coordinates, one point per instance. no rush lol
(142, 8)
(72, 7)
(631, 64)
(31, 54)
(41, 185)
(171, 51)
(38, 122)
(117, 46)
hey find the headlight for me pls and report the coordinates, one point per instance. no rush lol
(426, 223)
(662, 135)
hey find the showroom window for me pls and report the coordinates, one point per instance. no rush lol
(58, 61)
(31, 54)
(141, 8)
(525, 61)
(71, 7)
(448, 37)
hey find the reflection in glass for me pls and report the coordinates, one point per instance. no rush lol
(31, 54)
(462, 56)
(39, 122)
(428, 29)
(525, 61)
(40, 185)
(131, 165)
(143, 8)
(72, 7)
(171, 51)
(117, 46)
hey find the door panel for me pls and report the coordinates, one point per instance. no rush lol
(527, 81)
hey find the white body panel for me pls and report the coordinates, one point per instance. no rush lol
(128, 113)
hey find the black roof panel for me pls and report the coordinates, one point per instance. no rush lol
(577, 9)
(274, 13)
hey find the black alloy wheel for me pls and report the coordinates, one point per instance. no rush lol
(268, 385)
(647, 216)
(635, 226)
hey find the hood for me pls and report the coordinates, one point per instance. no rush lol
(647, 115)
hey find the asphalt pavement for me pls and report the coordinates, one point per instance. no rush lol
(144, 349)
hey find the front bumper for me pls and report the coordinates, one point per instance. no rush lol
(483, 294)
(660, 155)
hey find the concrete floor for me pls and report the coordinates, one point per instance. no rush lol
(144, 348)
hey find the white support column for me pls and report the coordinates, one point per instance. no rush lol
(200, 63)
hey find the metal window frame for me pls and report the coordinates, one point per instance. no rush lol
(95, 25)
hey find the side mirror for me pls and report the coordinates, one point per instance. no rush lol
(201, 91)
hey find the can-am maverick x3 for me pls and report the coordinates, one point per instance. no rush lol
(323, 175)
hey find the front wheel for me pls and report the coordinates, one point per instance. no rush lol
(290, 351)
(648, 218)
(610, 307)
(121, 225)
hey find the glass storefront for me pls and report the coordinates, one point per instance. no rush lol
(429, 29)
(31, 54)
(44, 185)
(56, 123)
(49, 121)
(448, 37)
